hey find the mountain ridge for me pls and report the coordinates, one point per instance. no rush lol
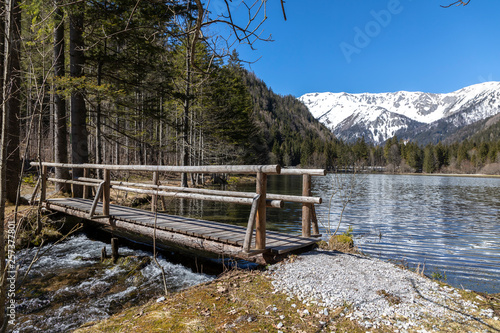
(429, 117)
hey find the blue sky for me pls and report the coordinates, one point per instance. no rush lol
(377, 46)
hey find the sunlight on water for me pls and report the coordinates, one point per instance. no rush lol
(450, 224)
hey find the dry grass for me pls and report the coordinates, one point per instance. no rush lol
(238, 301)
(243, 301)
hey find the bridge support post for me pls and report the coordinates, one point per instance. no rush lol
(314, 222)
(43, 183)
(154, 197)
(114, 249)
(306, 208)
(105, 192)
(260, 226)
(86, 174)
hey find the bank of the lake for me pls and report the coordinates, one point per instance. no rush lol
(448, 224)
(314, 292)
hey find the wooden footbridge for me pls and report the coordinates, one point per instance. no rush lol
(253, 243)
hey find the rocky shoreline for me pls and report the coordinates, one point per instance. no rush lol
(317, 291)
(378, 294)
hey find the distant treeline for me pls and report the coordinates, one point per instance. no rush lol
(400, 156)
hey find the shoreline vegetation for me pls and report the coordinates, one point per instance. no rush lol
(247, 301)
(474, 175)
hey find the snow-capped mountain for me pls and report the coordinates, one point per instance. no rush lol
(378, 117)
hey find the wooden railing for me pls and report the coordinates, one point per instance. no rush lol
(258, 200)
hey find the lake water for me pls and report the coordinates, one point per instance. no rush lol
(449, 224)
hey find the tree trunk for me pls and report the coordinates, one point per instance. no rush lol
(8, 86)
(185, 121)
(98, 131)
(61, 136)
(14, 106)
(79, 136)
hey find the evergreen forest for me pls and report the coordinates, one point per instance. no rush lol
(147, 82)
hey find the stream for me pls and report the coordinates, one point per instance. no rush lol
(69, 286)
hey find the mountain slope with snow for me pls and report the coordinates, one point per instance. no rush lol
(378, 117)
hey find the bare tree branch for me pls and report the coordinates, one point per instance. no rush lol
(283, 8)
(457, 3)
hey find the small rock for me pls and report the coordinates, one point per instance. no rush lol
(222, 289)
(306, 312)
(161, 299)
(280, 325)
(282, 317)
(294, 305)
(325, 312)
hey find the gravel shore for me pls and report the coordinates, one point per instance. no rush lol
(378, 294)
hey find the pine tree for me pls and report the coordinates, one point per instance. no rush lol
(429, 163)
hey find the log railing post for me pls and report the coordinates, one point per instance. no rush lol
(247, 243)
(260, 227)
(106, 192)
(306, 208)
(85, 188)
(314, 222)
(154, 198)
(43, 183)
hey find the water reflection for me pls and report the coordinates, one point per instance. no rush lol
(449, 223)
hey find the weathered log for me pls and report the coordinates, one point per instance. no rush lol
(74, 182)
(300, 172)
(235, 169)
(43, 184)
(114, 249)
(106, 192)
(306, 208)
(96, 200)
(217, 198)
(85, 187)
(104, 256)
(251, 224)
(154, 199)
(286, 198)
(191, 242)
(260, 220)
(314, 223)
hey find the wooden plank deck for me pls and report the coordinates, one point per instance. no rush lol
(220, 238)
